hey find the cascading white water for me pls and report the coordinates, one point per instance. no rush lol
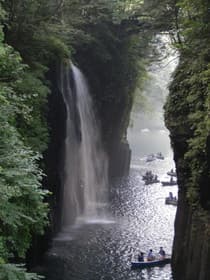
(85, 167)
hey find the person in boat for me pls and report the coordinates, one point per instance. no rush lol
(162, 253)
(141, 257)
(150, 256)
(149, 173)
(149, 176)
(171, 195)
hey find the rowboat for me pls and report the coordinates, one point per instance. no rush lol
(151, 181)
(171, 173)
(150, 178)
(150, 158)
(146, 264)
(169, 183)
(172, 201)
(159, 156)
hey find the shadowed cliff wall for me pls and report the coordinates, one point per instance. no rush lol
(187, 118)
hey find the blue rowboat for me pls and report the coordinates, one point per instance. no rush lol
(145, 264)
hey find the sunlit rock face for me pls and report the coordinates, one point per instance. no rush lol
(190, 141)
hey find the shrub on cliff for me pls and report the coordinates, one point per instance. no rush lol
(23, 211)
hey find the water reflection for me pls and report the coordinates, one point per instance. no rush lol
(105, 250)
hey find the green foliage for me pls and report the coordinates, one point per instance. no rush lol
(96, 11)
(22, 208)
(31, 123)
(16, 272)
(107, 44)
(188, 95)
(28, 96)
(188, 103)
(34, 29)
(162, 15)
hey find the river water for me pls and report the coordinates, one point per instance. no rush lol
(139, 220)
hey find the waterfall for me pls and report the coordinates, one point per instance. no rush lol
(85, 176)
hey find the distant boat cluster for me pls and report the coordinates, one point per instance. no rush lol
(153, 157)
(150, 178)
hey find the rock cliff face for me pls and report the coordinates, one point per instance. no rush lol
(191, 252)
(120, 158)
(118, 150)
(186, 116)
(54, 159)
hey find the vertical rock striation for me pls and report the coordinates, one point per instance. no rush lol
(187, 118)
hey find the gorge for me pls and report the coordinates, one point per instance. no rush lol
(44, 101)
(108, 244)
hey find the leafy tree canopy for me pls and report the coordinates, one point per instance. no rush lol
(189, 93)
(22, 208)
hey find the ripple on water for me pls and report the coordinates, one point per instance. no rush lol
(103, 250)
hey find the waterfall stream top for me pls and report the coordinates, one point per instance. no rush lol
(85, 165)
